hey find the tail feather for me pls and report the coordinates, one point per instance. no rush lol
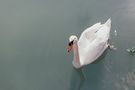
(108, 22)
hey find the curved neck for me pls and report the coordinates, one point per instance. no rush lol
(76, 60)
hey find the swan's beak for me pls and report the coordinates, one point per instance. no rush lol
(69, 48)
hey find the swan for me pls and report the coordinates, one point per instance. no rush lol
(91, 44)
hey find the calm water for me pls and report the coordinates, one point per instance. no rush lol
(33, 39)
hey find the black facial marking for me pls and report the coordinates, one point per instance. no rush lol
(70, 43)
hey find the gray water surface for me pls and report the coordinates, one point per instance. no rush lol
(34, 35)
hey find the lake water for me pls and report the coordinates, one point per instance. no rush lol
(33, 39)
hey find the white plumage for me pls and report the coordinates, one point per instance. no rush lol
(91, 44)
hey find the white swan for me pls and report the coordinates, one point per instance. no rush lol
(91, 44)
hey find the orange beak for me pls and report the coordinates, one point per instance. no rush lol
(69, 48)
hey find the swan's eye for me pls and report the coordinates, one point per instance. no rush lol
(71, 43)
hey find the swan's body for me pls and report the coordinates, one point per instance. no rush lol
(91, 44)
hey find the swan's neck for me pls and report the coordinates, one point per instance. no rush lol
(76, 60)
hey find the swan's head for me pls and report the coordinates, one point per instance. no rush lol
(72, 38)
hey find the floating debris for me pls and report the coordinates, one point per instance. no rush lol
(131, 50)
(115, 32)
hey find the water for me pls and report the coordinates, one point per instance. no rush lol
(33, 39)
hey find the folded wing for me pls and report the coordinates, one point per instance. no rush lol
(93, 42)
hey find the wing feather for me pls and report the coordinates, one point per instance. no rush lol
(88, 34)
